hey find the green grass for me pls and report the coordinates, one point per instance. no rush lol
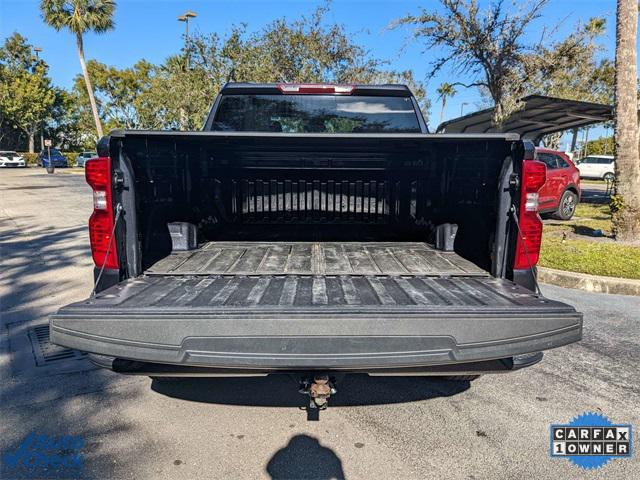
(596, 258)
(587, 216)
(581, 252)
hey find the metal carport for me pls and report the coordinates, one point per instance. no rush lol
(540, 115)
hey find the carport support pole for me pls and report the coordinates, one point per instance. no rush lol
(574, 140)
(586, 140)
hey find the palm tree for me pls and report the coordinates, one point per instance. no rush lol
(81, 16)
(626, 203)
(444, 91)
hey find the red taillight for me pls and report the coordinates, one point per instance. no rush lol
(534, 175)
(98, 175)
(311, 88)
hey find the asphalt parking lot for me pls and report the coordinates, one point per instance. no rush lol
(496, 427)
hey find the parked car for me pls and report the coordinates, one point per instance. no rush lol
(600, 167)
(315, 230)
(561, 192)
(57, 159)
(83, 157)
(9, 158)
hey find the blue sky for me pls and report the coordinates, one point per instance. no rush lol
(149, 29)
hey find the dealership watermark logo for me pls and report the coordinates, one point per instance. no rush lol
(38, 451)
(590, 440)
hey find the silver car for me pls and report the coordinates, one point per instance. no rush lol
(83, 157)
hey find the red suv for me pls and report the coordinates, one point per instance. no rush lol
(561, 193)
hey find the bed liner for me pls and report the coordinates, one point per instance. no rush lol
(316, 258)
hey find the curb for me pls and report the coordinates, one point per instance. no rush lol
(589, 283)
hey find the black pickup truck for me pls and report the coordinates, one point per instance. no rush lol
(314, 229)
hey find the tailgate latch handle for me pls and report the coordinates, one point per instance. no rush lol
(514, 181)
(118, 180)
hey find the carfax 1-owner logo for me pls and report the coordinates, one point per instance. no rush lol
(590, 440)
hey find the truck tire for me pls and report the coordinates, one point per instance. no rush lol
(609, 177)
(567, 205)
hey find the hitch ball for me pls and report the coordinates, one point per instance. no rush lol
(319, 390)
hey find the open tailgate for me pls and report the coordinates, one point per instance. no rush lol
(299, 321)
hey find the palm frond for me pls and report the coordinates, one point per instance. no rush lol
(79, 16)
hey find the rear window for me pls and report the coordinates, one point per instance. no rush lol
(316, 114)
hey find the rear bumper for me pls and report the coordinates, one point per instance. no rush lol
(133, 367)
(12, 164)
(340, 341)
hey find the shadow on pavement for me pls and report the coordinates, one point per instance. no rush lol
(281, 390)
(40, 266)
(305, 458)
(598, 196)
(29, 266)
(30, 187)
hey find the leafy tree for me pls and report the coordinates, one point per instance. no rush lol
(600, 146)
(79, 17)
(304, 50)
(486, 44)
(444, 91)
(626, 202)
(26, 99)
(117, 92)
(70, 125)
(17, 54)
(569, 68)
(26, 94)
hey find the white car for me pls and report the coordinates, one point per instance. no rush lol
(11, 159)
(601, 167)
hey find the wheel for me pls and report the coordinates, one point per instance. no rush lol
(567, 205)
(461, 378)
(609, 177)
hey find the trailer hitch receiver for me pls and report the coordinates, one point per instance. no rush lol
(319, 388)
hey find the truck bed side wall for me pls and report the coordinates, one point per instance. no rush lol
(315, 189)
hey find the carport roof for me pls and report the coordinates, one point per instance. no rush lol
(540, 115)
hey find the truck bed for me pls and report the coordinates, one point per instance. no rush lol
(315, 258)
(288, 306)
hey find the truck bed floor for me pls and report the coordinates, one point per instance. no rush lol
(293, 293)
(319, 258)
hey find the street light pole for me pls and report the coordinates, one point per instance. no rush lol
(185, 18)
(38, 50)
(462, 107)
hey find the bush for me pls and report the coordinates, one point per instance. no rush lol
(32, 158)
(29, 158)
(71, 158)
